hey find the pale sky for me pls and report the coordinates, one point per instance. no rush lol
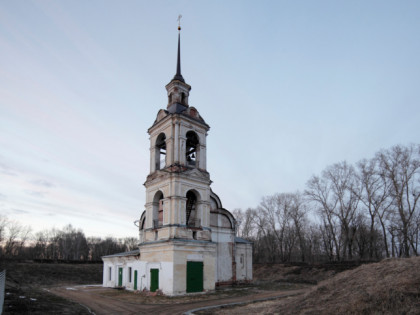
(288, 88)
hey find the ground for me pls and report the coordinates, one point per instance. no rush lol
(111, 301)
(392, 286)
(27, 284)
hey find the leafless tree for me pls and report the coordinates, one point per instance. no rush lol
(337, 194)
(401, 167)
(375, 196)
(320, 193)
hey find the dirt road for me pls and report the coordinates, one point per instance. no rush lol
(110, 301)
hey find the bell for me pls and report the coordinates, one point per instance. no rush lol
(193, 155)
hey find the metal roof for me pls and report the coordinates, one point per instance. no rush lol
(242, 240)
(124, 254)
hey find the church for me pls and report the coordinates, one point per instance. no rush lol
(187, 240)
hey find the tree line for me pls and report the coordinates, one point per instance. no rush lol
(66, 244)
(366, 211)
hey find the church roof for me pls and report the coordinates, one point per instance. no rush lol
(242, 240)
(124, 254)
(176, 108)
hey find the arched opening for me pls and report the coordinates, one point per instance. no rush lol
(183, 98)
(192, 217)
(192, 149)
(160, 152)
(170, 99)
(158, 210)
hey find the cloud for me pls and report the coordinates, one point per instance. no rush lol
(7, 170)
(42, 182)
(35, 193)
(19, 211)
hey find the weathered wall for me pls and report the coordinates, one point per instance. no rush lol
(243, 262)
(224, 239)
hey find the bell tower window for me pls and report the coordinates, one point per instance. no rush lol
(191, 211)
(158, 210)
(160, 152)
(192, 147)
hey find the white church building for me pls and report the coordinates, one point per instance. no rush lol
(187, 240)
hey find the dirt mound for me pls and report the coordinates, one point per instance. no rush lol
(389, 287)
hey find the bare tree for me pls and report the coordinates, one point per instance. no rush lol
(320, 193)
(401, 167)
(298, 214)
(130, 243)
(375, 196)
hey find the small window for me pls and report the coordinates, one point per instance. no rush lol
(129, 274)
(110, 273)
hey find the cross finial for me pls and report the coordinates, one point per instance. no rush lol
(179, 22)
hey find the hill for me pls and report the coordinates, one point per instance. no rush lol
(391, 286)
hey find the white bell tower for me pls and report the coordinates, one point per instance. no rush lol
(175, 228)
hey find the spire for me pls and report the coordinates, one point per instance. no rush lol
(178, 75)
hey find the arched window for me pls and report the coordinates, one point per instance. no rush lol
(160, 152)
(191, 210)
(192, 147)
(158, 210)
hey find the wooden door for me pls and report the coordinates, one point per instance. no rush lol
(120, 277)
(194, 276)
(154, 280)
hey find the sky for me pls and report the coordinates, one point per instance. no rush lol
(287, 87)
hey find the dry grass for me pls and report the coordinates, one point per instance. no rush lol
(299, 272)
(389, 287)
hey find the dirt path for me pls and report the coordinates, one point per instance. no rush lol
(105, 301)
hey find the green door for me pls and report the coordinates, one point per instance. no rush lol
(135, 279)
(120, 273)
(194, 276)
(154, 280)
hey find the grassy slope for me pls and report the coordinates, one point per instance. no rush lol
(389, 287)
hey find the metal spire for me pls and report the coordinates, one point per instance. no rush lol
(178, 75)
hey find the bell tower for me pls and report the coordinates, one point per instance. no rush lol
(176, 222)
(178, 186)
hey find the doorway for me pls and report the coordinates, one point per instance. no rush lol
(154, 280)
(194, 276)
(120, 276)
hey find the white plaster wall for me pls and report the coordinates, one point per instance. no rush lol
(125, 263)
(135, 265)
(224, 239)
(165, 276)
(107, 281)
(143, 273)
(243, 262)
